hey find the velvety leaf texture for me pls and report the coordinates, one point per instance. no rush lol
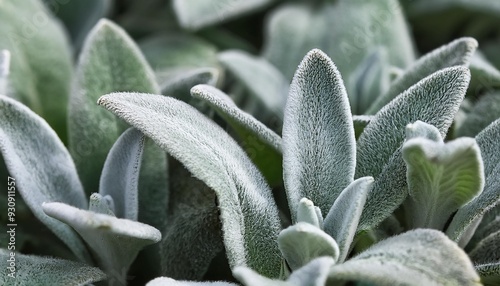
(434, 100)
(485, 76)
(110, 61)
(165, 281)
(249, 215)
(413, 258)
(41, 166)
(179, 85)
(484, 112)
(487, 250)
(36, 270)
(490, 273)
(4, 70)
(319, 151)
(308, 212)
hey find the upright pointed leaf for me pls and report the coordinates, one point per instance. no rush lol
(434, 100)
(37, 270)
(41, 166)
(4, 70)
(484, 112)
(249, 215)
(413, 258)
(456, 53)
(110, 61)
(318, 135)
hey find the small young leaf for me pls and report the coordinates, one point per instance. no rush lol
(441, 178)
(342, 220)
(115, 242)
(165, 281)
(319, 147)
(4, 70)
(249, 215)
(263, 80)
(456, 53)
(101, 204)
(37, 270)
(41, 167)
(120, 174)
(487, 250)
(484, 112)
(307, 212)
(413, 258)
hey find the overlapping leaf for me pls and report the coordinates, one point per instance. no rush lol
(4, 70)
(484, 112)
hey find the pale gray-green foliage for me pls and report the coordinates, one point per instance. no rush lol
(434, 100)
(178, 85)
(319, 151)
(489, 198)
(194, 14)
(413, 258)
(308, 212)
(41, 80)
(312, 274)
(120, 174)
(486, 228)
(485, 111)
(490, 273)
(114, 242)
(458, 52)
(42, 167)
(441, 178)
(260, 77)
(343, 218)
(102, 204)
(165, 281)
(420, 129)
(110, 61)
(4, 70)
(487, 250)
(426, 6)
(39, 271)
(347, 30)
(485, 76)
(302, 242)
(249, 215)
(193, 216)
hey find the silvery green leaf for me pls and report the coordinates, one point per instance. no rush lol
(165, 281)
(37, 270)
(110, 61)
(41, 166)
(312, 274)
(307, 212)
(114, 242)
(484, 112)
(485, 229)
(194, 14)
(487, 250)
(319, 151)
(489, 198)
(260, 77)
(41, 80)
(456, 53)
(490, 273)
(4, 70)
(303, 242)
(434, 100)
(179, 85)
(120, 174)
(420, 129)
(413, 258)
(360, 122)
(342, 219)
(485, 76)
(249, 215)
(441, 179)
(102, 204)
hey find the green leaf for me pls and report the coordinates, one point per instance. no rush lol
(249, 215)
(421, 129)
(165, 281)
(260, 77)
(194, 15)
(110, 61)
(343, 218)
(309, 213)
(489, 198)
(484, 112)
(179, 85)
(413, 258)
(319, 153)
(360, 122)
(441, 179)
(120, 174)
(41, 80)
(487, 250)
(490, 273)
(41, 167)
(37, 270)
(303, 242)
(456, 53)
(485, 76)
(114, 242)
(434, 100)
(102, 204)
(4, 70)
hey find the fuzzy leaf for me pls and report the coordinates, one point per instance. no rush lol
(318, 135)
(441, 179)
(487, 250)
(41, 80)
(490, 197)
(41, 166)
(101, 204)
(490, 273)
(413, 258)
(259, 76)
(484, 112)
(120, 174)
(165, 281)
(110, 61)
(115, 242)
(194, 14)
(308, 212)
(248, 212)
(303, 242)
(456, 53)
(179, 85)
(37, 270)
(342, 220)
(421, 129)
(434, 100)
(4, 70)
